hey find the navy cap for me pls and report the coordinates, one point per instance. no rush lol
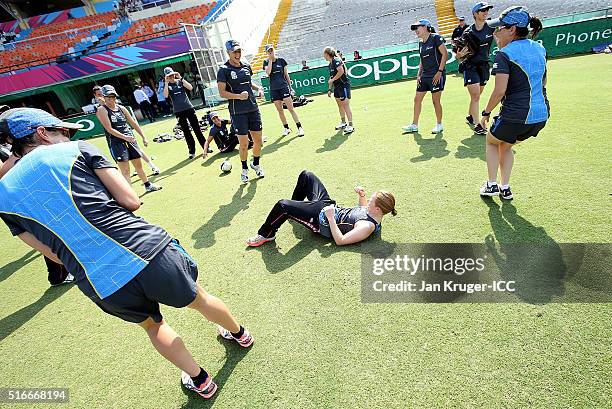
(269, 47)
(512, 16)
(461, 18)
(481, 6)
(213, 114)
(21, 122)
(232, 45)
(108, 90)
(421, 22)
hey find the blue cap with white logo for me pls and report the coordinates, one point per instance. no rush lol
(21, 122)
(422, 22)
(213, 115)
(232, 45)
(512, 16)
(269, 47)
(481, 6)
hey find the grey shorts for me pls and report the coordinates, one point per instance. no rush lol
(169, 279)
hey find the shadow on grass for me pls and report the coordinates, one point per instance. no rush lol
(233, 355)
(277, 262)
(172, 170)
(538, 269)
(13, 322)
(472, 148)
(205, 235)
(430, 148)
(333, 142)
(8, 269)
(271, 147)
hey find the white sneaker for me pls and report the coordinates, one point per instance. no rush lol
(437, 129)
(244, 176)
(300, 132)
(155, 170)
(341, 125)
(410, 128)
(286, 131)
(264, 139)
(349, 129)
(258, 170)
(152, 188)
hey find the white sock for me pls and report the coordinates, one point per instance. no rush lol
(494, 183)
(505, 186)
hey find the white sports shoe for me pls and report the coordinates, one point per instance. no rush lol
(155, 169)
(258, 170)
(152, 188)
(300, 132)
(244, 176)
(349, 129)
(286, 131)
(410, 128)
(341, 125)
(437, 129)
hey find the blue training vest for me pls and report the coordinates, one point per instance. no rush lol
(38, 188)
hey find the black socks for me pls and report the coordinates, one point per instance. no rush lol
(238, 334)
(286, 126)
(244, 164)
(298, 124)
(255, 160)
(147, 184)
(199, 380)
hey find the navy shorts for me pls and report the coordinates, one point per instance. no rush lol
(476, 74)
(169, 279)
(280, 94)
(123, 151)
(342, 92)
(243, 123)
(512, 132)
(426, 84)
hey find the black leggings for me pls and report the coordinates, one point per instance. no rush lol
(57, 272)
(186, 118)
(308, 199)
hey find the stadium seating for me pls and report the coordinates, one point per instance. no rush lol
(348, 26)
(163, 24)
(542, 9)
(48, 42)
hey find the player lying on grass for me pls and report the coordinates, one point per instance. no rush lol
(69, 202)
(311, 206)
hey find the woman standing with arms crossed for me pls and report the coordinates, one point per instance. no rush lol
(520, 82)
(280, 89)
(340, 86)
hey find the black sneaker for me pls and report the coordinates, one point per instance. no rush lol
(489, 190)
(506, 194)
(479, 130)
(470, 121)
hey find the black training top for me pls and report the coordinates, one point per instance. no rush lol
(178, 96)
(346, 218)
(220, 134)
(277, 75)
(484, 38)
(54, 194)
(458, 31)
(238, 79)
(333, 70)
(430, 55)
(118, 123)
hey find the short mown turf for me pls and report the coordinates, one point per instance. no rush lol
(317, 345)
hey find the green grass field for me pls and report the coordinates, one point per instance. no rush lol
(317, 345)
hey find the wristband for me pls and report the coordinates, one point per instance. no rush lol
(441, 71)
(485, 113)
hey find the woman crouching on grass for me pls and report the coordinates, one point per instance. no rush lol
(312, 207)
(520, 82)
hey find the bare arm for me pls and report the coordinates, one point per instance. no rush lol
(6, 166)
(268, 68)
(103, 118)
(133, 123)
(444, 59)
(362, 197)
(360, 232)
(501, 84)
(165, 91)
(33, 242)
(187, 85)
(224, 93)
(119, 188)
(288, 78)
(338, 74)
(206, 144)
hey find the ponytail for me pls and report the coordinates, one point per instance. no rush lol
(431, 29)
(329, 51)
(534, 28)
